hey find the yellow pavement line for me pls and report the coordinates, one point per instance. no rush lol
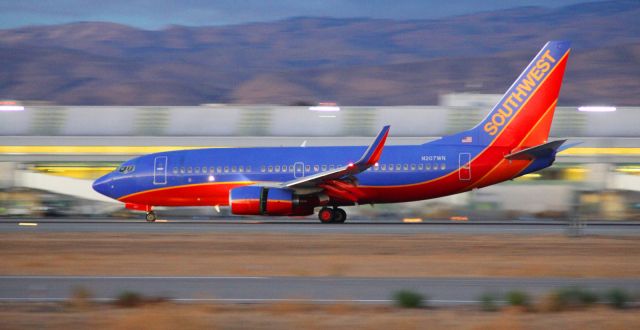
(411, 220)
(30, 224)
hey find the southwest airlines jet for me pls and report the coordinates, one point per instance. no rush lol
(293, 181)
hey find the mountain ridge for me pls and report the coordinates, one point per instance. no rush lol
(313, 58)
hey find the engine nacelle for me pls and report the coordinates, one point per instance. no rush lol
(256, 200)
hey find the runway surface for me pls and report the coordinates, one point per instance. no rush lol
(440, 291)
(310, 226)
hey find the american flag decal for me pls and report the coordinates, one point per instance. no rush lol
(467, 139)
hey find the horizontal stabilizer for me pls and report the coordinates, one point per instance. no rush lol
(541, 150)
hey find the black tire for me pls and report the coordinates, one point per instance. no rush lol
(326, 215)
(339, 216)
(151, 216)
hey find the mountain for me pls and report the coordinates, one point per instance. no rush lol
(350, 61)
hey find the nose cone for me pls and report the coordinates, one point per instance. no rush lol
(103, 185)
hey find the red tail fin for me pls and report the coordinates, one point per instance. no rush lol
(525, 112)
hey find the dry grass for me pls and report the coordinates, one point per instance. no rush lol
(306, 316)
(318, 255)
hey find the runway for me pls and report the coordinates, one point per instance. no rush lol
(49, 225)
(440, 291)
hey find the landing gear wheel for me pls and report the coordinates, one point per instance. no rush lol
(151, 216)
(339, 215)
(326, 215)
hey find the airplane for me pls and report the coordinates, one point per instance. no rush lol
(509, 142)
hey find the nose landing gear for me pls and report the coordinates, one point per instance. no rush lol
(335, 215)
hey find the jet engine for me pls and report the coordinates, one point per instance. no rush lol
(256, 200)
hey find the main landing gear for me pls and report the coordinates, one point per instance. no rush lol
(335, 215)
(151, 216)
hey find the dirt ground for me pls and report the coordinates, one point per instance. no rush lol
(318, 255)
(303, 316)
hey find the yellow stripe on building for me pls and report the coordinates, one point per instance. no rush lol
(91, 149)
(140, 150)
(600, 152)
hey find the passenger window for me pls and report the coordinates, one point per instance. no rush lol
(277, 168)
(241, 169)
(413, 167)
(182, 170)
(270, 169)
(219, 169)
(405, 167)
(290, 168)
(383, 167)
(226, 169)
(376, 167)
(307, 168)
(263, 168)
(428, 167)
(189, 169)
(398, 167)
(316, 168)
(331, 167)
(211, 170)
(420, 167)
(248, 168)
(443, 166)
(324, 168)
(197, 169)
(234, 169)
(175, 170)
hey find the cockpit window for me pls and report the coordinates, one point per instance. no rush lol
(126, 169)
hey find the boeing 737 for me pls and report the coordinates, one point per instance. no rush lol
(509, 142)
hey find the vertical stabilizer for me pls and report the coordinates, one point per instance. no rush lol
(524, 114)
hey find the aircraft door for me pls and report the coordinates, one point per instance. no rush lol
(298, 170)
(160, 170)
(464, 166)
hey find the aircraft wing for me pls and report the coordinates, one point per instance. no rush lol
(368, 159)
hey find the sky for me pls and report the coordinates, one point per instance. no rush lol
(150, 14)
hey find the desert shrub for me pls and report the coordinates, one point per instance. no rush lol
(129, 299)
(518, 298)
(617, 298)
(408, 299)
(488, 302)
(568, 298)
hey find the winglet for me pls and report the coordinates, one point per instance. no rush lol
(372, 155)
(368, 159)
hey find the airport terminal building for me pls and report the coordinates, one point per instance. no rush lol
(54, 150)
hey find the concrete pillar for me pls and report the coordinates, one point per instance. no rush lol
(7, 175)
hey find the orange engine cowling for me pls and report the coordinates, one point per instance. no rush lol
(256, 200)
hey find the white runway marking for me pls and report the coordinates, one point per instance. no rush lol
(106, 277)
(246, 300)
